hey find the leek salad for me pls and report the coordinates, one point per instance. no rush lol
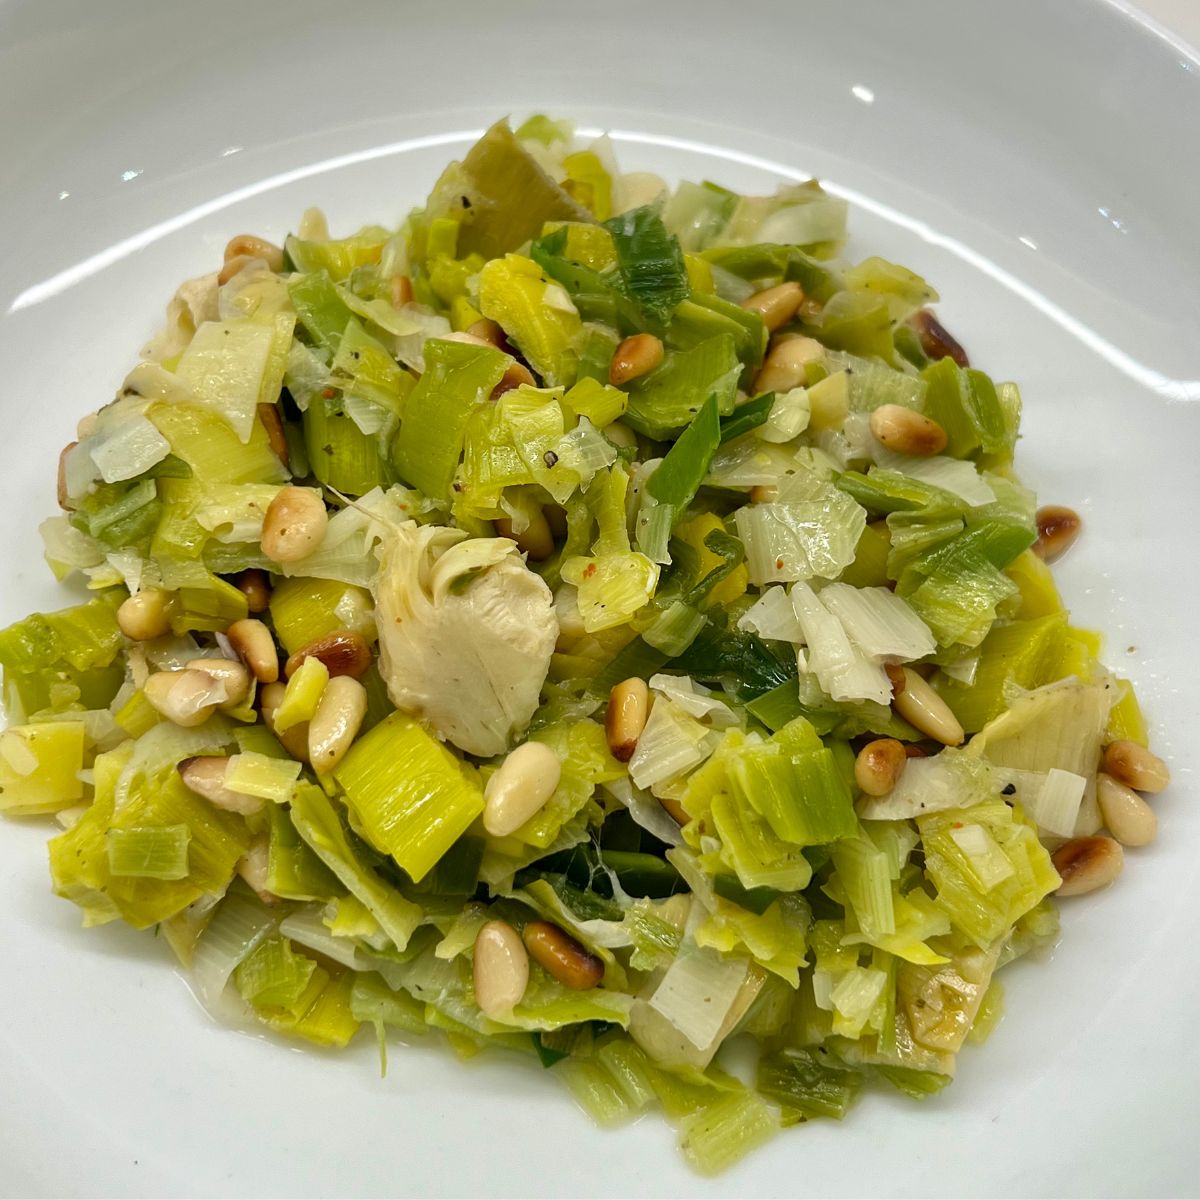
(618, 471)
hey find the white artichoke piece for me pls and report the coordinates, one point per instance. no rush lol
(466, 632)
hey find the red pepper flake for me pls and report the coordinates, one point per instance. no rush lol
(779, 564)
(589, 570)
(329, 393)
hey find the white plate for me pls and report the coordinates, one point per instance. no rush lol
(1039, 163)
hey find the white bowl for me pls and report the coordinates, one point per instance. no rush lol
(1039, 163)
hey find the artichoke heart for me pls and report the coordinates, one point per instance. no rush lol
(466, 632)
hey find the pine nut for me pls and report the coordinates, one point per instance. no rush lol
(336, 722)
(293, 739)
(255, 586)
(926, 711)
(294, 525)
(232, 676)
(906, 431)
(535, 539)
(562, 956)
(935, 341)
(1136, 767)
(635, 356)
(343, 652)
(764, 493)
(272, 422)
(500, 967)
(254, 867)
(628, 712)
(233, 266)
(674, 810)
(401, 291)
(64, 500)
(895, 674)
(1058, 527)
(519, 789)
(185, 698)
(255, 247)
(879, 765)
(490, 332)
(1086, 864)
(143, 617)
(516, 375)
(256, 647)
(785, 366)
(205, 775)
(1128, 817)
(776, 305)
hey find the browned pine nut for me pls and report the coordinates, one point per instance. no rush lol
(205, 775)
(185, 698)
(1136, 767)
(1128, 817)
(501, 968)
(231, 675)
(294, 525)
(272, 422)
(1086, 864)
(535, 539)
(248, 246)
(343, 652)
(926, 711)
(906, 431)
(255, 586)
(256, 648)
(935, 341)
(489, 331)
(1057, 527)
(144, 616)
(516, 375)
(764, 493)
(776, 305)
(562, 956)
(336, 723)
(293, 739)
(401, 291)
(879, 765)
(520, 788)
(785, 366)
(895, 674)
(628, 712)
(673, 809)
(64, 501)
(635, 356)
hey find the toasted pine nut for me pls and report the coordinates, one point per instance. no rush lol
(562, 956)
(1087, 863)
(535, 539)
(501, 968)
(674, 810)
(401, 291)
(293, 739)
(895, 674)
(231, 675)
(64, 500)
(628, 711)
(256, 647)
(1128, 817)
(294, 525)
(785, 366)
(254, 585)
(489, 331)
(255, 247)
(764, 493)
(1136, 767)
(520, 788)
(1058, 527)
(233, 266)
(186, 697)
(516, 375)
(343, 652)
(205, 775)
(935, 341)
(776, 305)
(272, 422)
(926, 711)
(879, 765)
(635, 356)
(254, 867)
(907, 431)
(143, 617)
(336, 722)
